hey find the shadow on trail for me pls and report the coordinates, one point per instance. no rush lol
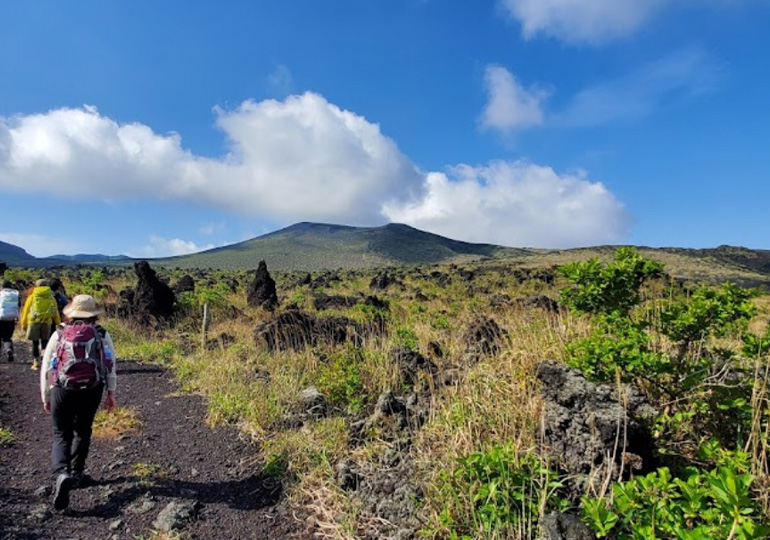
(143, 370)
(252, 493)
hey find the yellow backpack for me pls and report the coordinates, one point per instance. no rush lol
(43, 306)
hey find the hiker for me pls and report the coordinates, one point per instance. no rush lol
(39, 317)
(78, 364)
(9, 314)
(58, 293)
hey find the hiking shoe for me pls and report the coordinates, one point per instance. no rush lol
(81, 480)
(61, 491)
(35, 366)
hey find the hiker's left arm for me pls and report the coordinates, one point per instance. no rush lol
(45, 387)
(112, 377)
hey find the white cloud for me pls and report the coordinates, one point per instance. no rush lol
(680, 75)
(687, 72)
(594, 21)
(301, 158)
(210, 229)
(582, 21)
(281, 81)
(516, 204)
(164, 247)
(510, 105)
(41, 245)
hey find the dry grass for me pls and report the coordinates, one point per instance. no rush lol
(162, 535)
(496, 401)
(493, 402)
(120, 421)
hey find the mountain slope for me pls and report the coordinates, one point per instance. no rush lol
(318, 246)
(739, 265)
(15, 256)
(82, 258)
(315, 246)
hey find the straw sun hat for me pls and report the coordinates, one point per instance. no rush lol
(83, 306)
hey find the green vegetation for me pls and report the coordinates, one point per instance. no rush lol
(6, 436)
(497, 494)
(610, 288)
(699, 353)
(697, 505)
(119, 421)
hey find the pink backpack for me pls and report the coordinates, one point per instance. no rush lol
(80, 361)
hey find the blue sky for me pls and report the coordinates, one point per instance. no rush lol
(158, 128)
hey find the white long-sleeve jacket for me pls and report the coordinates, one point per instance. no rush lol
(50, 352)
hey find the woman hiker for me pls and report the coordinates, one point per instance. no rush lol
(39, 317)
(78, 364)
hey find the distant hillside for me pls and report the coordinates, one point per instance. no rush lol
(315, 246)
(82, 258)
(742, 266)
(15, 256)
(320, 246)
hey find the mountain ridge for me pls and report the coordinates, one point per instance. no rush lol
(312, 246)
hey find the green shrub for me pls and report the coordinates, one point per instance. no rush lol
(698, 506)
(492, 494)
(21, 275)
(616, 286)
(618, 345)
(217, 298)
(707, 311)
(755, 346)
(406, 337)
(340, 379)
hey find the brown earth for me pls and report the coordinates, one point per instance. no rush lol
(174, 456)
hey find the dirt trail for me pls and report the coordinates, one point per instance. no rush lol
(174, 456)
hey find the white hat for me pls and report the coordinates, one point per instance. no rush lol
(83, 306)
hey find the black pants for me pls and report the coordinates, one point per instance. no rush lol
(6, 338)
(72, 414)
(36, 348)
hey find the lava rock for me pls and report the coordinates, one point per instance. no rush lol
(176, 515)
(152, 300)
(585, 422)
(557, 526)
(262, 292)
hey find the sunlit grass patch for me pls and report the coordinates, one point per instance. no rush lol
(120, 421)
(6, 436)
(162, 535)
(318, 444)
(161, 352)
(149, 473)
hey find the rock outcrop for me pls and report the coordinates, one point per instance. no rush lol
(262, 292)
(152, 301)
(595, 431)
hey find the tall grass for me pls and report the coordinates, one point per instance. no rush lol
(476, 407)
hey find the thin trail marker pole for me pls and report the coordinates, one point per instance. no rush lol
(205, 325)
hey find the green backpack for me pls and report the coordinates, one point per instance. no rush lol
(43, 306)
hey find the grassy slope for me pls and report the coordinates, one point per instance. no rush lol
(745, 267)
(312, 246)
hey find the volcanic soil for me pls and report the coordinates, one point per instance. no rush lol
(172, 457)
